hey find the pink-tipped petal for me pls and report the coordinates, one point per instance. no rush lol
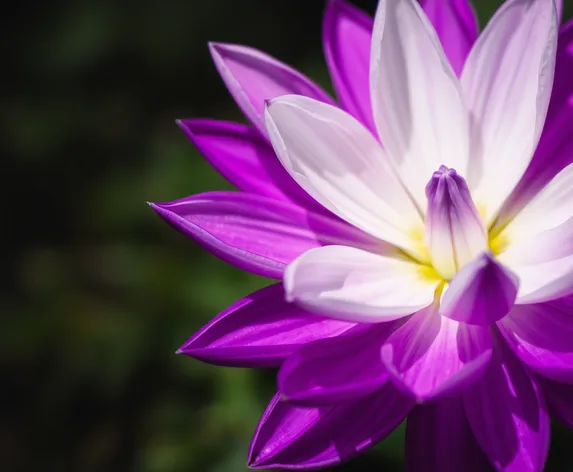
(255, 233)
(254, 77)
(335, 370)
(417, 100)
(541, 335)
(558, 396)
(432, 356)
(260, 330)
(346, 35)
(339, 163)
(508, 416)
(555, 149)
(507, 82)
(246, 159)
(355, 285)
(439, 439)
(481, 293)
(296, 437)
(456, 24)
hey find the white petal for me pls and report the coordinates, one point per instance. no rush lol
(507, 82)
(339, 163)
(416, 97)
(539, 242)
(551, 208)
(545, 281)
(356, 285)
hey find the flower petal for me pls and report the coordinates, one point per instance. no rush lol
(559, 6)
(352, 284)
(545, 281)
(507, 82)
(539, 242)
(541, 335)
(559, 397)
(339, 163)
(346, 35)
(457, 27)
(555, 149)
(260, 330)
(481, 293)
(551, 207)
(253, 77)
(255, 233)
(335, 370)
(245, 159)
(296, 437)
(508, 416)
(416, 97)
(439, 438)
(431, 356)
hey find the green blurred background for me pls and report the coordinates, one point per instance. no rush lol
(98, 293)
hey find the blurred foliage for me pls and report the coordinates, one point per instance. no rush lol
(98, 293)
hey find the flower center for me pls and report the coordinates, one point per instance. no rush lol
(454, 232)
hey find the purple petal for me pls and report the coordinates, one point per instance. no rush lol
(245, 158)
(558, 396)
(260, 330)
(456, 24)
(255, 233)
(481, 293)
(555, 149)
(439, 438)
(430, 355)
(541, 335)
(346, 35)
(334, 370)
(296, 437)
(508, 416)
(254, 77)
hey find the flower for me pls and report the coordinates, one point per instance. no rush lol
(422, 232)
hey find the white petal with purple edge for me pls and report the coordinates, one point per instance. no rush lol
(507, 81)
(338, 162)
(544, 281)
(551, 208)
(417, 101)
(355, 285)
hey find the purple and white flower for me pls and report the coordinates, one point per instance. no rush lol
(422, 230)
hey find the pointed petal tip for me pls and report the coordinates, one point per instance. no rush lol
(215, 46)
(155, 206)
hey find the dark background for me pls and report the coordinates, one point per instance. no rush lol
(97, 292)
